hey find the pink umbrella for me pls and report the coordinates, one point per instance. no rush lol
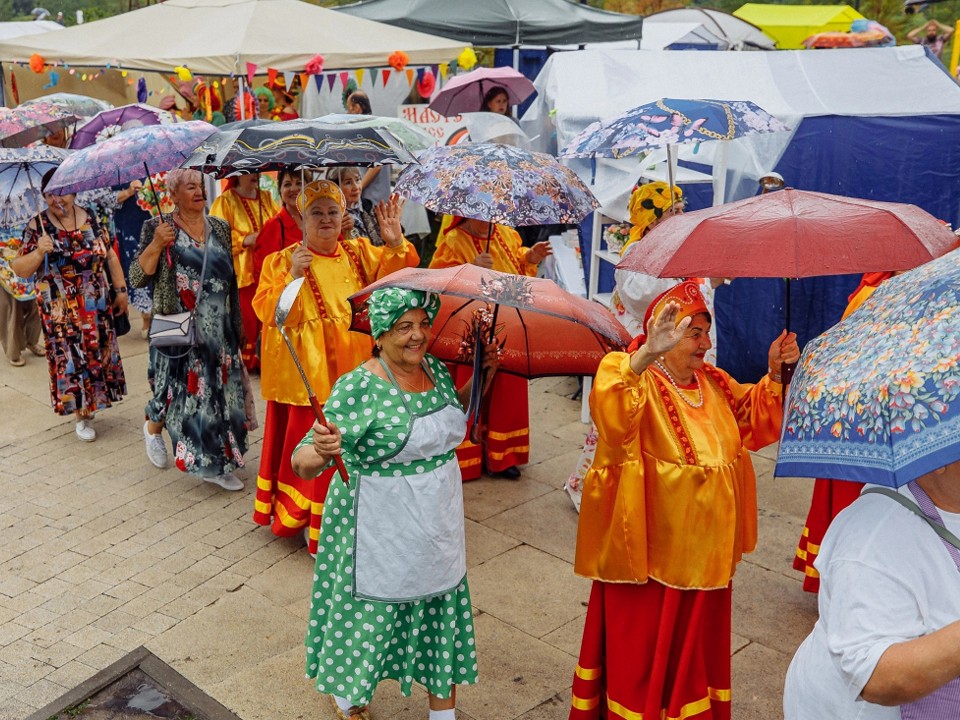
(465, 93)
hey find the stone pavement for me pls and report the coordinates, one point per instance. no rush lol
(100, 553)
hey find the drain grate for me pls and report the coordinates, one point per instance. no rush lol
(138, 686)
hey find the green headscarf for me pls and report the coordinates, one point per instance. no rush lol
(385, 306)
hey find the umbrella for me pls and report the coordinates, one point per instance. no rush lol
(28, 123)
(543, 329)
(117, 120)
(869, 38)
(133, 155)
(877, 397)
(498, 183)
(414, 137)
(303, 143)
(465, 93)
(82, 106)
(21, 170)
(493, 127)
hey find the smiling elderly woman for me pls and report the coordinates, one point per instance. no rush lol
(318, 326)
(669, 507)
(197, 394)
(390, 599)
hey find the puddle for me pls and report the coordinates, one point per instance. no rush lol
(135, 696)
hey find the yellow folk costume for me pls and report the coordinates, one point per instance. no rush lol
(506, 440)
(318, 328)
(245, 217)
(669, 507)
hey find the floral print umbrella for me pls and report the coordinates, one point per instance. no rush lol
(671, 122)
(112, 122)
(82, 106)
(133, 155)
(28, 123)
(497, 183)
(877, 397)
(21, 170)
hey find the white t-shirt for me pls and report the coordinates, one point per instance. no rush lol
(885, 577)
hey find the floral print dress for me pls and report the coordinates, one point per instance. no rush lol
(199, 393)
(73, 296)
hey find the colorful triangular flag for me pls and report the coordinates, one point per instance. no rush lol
(444, 67)
(344, 78)
(288, 80)
(410, 76)
(386, 77)
(359, 74)
(331, 79)
(318, 79)
(251, 71)
(271, 76)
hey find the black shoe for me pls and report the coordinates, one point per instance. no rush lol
(510, 473)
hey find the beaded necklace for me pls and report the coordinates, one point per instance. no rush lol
(696, 381)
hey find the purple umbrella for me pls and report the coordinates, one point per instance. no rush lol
(134, 154)
(109, 123)
(465, 93)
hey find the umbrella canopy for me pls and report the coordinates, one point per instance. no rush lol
(281, 34)
(791, 233)
(21, 170)
(465, 93)
(131, 156)
(117, 120)
(670, 122)
(498, 183)
(544, 330)
(303, 143)
(82, 106)
(26, 124)
(414, 137)
(877, 397)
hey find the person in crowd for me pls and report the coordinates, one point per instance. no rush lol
(318, 325)
(375, 183)
(360, 220)
(669, 507)
(283, 229)
(202, 103)
(284, 100)
(496, 100)
(885, 644)
(198, 392)
(358, 103)
(390, 597)
(830, 497)
(505, 442)
(245, 208)
(933, 35)
(770, 182)
(265, 103)
(128, 220)
(57, 137)
(79, 282)
(19, 315)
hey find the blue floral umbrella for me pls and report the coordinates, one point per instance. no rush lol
(497, 183)
(877, 397)
(21, 170)
(669, 122)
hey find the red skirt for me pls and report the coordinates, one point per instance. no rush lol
(289, 502)
(251, 328)
(650, 651)
(829, 498)
(505, 441)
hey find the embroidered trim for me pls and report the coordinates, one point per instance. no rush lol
(721, 382)
(245, 202)
(503, 246)
(673, 415)
(357, 267)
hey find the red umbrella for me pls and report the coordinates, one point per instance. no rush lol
(465, 93)
(792, 234)
(543, 329)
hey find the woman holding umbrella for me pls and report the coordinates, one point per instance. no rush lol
(73, 258)
(318, 326)
(505, 438)
(390, 598)
(668, 510)
(246, 208)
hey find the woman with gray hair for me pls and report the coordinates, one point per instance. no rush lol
(198, 391)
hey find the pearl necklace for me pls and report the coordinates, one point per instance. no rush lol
(699, 403)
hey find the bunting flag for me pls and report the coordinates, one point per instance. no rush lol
(288, 80)
(304, 81)
(386, 77)
(435, 69)
(318, 79)
(373, 77)
(420, 74)
(444, 67)
(271, 76)
(359, 75)
(344, 78)
(331, 79)
(410, 76)
(251, 71)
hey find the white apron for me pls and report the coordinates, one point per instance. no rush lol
(409, 542)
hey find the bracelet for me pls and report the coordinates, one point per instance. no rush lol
(120, 290)
(775, 377)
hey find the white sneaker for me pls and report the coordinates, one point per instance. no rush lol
(156, 450)
(228, 481)
(85, 431)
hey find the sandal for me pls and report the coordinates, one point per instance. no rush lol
(355, 712)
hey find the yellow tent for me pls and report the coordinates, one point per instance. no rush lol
(790, 25)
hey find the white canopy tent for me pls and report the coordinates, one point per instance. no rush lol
(688, 35)
(740, 34)
(10, 30)
(218, 37)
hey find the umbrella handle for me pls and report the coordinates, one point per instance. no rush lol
(489, 236)
(338, 461)
(156, 199)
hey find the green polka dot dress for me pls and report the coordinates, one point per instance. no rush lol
(354, 642)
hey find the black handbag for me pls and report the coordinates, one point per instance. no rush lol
(179, 330)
